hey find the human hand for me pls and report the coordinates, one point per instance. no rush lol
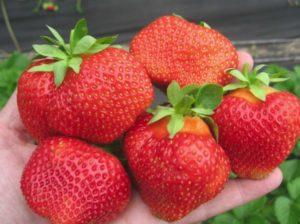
(16, 147)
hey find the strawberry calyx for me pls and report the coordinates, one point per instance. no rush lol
(204, 24)
(68, 55)
(191, 100)
(255, 80)
(201, 23)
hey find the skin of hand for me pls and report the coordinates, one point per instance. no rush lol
(16, 146)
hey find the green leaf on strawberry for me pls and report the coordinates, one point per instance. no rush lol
(175, 124)
(161, 112)
(204, 24)
(59, 69)
(191, 100)
(78, 32)
(255, 80)
(209, 96)
(212, 126)
(57, 36)
(174, 94)
(68, 55)
(75, 63)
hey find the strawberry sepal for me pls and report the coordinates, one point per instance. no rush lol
(191, 100)
(69, 55)
(255, 80)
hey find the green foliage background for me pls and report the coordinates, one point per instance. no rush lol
(10, 70)
(280, 206)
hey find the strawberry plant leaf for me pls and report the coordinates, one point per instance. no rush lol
(258, 91)
(174, 94)
(234, 86)
(78, 33)
(264, 78)
(250, 208)
(294, 188)
(59, 69)
(10, 70)
(175, 124)
(296, 150)
(209, 96)
(42, 68)
(84, 44)
(283, 211)
(160, 113)
(289, 169)
(75, 63)
(224, 219)
(256, 219)
(49, 51)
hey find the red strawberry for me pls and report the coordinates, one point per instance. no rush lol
(50, 6)
(172, 48)
(258, 125)
(91, 91)
(71, 182)
(176, 162)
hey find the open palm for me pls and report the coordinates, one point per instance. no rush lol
(16, 147)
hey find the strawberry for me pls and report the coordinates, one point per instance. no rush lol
(70, 182)
(50, 6)
(86, 89)
(173, 156)
(171, 48)
(258, 125)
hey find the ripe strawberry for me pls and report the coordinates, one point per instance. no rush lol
(172, 48)
(258, 125)
(71, 182)
(86, 89)
(175, 160)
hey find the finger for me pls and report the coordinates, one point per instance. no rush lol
(244, 57)
(236, 192)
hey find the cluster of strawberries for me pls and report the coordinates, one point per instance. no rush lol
(89, 91)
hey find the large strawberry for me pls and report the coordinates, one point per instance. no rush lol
(171, 48)
(258, 125)
(87, 89)
(71, 182)
(173, 156)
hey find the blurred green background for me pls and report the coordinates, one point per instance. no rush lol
(280, 206)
